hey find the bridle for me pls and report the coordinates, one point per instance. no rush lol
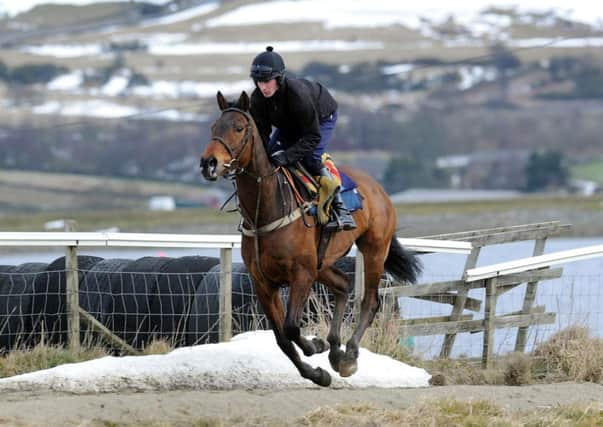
(235, 158)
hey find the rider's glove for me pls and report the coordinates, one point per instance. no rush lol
(279, 158)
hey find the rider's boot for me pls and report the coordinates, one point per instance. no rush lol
(345, 220)
(341, 217)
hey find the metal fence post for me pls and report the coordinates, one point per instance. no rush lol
(225, 294)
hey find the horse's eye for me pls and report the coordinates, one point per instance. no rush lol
(239, 128)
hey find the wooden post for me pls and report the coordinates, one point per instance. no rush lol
(72, 292)
(459, 305)
(358, 283)
(528, 301)
(225, 294)
(489, 323)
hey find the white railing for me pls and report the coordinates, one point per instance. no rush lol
(533, 263)
(222, 241)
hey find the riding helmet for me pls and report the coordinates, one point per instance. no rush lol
(267, 65)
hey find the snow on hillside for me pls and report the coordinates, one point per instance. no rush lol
(364, 13)
(13, 7)
(373, 13)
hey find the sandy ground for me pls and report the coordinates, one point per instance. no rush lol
(270, 406)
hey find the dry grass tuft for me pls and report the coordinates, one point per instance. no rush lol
(566, 415)
(158, 346)
(517, 368)
(359, 414)
(573, 355)
(438, 379)
(383, 337)
(43, 356)
(460, 371)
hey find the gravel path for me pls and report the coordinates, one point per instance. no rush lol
(273, 406)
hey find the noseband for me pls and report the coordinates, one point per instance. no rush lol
(235, 157)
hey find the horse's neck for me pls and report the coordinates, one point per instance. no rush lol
(258, 188)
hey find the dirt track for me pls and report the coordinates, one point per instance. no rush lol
(273, 407)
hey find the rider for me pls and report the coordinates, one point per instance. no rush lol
(304, 114)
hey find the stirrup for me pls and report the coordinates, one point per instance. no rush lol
(347, 221)
(340, 221)
(335, 223)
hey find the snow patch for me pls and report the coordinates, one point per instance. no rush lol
(250, 360)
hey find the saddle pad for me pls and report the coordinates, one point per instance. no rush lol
(351, 199)
(347, 183)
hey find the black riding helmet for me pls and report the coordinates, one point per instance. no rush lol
(266, 66)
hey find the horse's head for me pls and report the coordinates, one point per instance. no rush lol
(230, 148)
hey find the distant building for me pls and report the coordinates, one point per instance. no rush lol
(583, 187)
(494, 170)
(162, 203)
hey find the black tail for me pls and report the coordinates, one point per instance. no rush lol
(403, 265)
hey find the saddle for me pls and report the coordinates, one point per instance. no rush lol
(321, 193)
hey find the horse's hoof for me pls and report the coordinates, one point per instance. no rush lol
(347, 368)
(321, 377)
(320, 345)
(335, 356)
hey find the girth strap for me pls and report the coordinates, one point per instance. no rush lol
(278, 223)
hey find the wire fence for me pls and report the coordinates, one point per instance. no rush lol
(178, 300)
(141, 300)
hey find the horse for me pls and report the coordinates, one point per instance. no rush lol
(279, 245)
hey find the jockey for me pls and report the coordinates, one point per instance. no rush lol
(304, 115)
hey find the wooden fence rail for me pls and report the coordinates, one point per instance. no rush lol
(495, 279)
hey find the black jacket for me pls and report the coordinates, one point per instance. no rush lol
(296, 109)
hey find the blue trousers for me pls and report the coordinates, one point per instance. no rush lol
(313, 160)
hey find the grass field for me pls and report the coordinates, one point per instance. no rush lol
(29, 199)
(590, 171)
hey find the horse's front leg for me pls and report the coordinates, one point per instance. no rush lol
(272, 304)
(299, 292)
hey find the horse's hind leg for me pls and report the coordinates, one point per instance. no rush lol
(273, 308)
(337, 282)
(373, 269)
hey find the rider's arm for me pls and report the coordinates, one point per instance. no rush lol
(305, 114)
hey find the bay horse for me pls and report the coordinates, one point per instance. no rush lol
(279, 246)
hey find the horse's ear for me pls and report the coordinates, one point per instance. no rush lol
(244, 101)
(222, 103)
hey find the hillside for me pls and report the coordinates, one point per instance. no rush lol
(127, 88)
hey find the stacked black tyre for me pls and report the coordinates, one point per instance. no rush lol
(48, 307)
(96, 297)
(16, 294)
(203, 322)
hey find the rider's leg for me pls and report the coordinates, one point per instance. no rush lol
(343, 218)
(314, 163)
